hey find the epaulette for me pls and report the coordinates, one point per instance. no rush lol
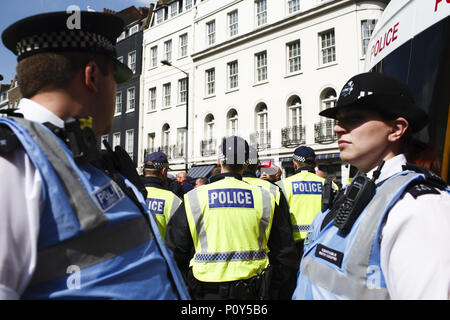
(431, 185)
(8, 140)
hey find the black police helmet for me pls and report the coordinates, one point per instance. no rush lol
(234, 150)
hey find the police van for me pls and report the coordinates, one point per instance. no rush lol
(411, 42)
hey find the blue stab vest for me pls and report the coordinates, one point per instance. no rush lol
(335, 266)
(94, 243)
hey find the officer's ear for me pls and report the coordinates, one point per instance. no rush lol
(398, 128)
(90, 72)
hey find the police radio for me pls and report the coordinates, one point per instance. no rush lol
(357, 196)
(81, 139)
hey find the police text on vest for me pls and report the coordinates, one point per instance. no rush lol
(230, 198)
(306, 187)
(156, 206)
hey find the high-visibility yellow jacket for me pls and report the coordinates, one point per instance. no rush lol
(303, 192)
(230, 223)
(163, 204)
(273, 189)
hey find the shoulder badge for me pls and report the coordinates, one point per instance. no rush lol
(421, 189)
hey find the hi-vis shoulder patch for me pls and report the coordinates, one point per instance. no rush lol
(108, 195)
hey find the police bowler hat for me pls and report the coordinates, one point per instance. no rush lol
(304, 153)
(156, 160)
(82, 31)
(381, 93)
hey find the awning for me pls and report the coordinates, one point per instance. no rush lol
(318, 157)
(200, 171)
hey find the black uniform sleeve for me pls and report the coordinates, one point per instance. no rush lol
(179, 239)
(284, 255)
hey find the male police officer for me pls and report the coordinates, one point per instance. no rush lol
(388, 236)
(160, 201)
(69, 229)
(231, 226)
(303, 192)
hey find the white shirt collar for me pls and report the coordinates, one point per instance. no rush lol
(390, 167)
(35, 112)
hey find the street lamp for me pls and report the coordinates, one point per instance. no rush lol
(167, 63)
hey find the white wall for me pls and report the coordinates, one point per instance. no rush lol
(344, 16)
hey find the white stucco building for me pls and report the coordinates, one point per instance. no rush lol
(260, 69)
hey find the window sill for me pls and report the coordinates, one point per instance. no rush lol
(327, 65)
(209, 97)
(130, 111)
(232, 90)
(180, 104)
(260, 83)
(151, 111)
(293, 74)
(166, 108)
(118, 114)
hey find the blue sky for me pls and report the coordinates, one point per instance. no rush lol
(14, 10)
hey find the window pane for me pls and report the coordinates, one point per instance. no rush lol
(233, 74)
(261, 12)
(233, 23)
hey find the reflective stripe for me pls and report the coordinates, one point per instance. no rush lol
(301, 228)
(88, 213)
(52, 263)
(198, 219)
(281, 185)
(338, 283)
(352, 284)
(265, 219)
(175, 204)
(358, 262)
(199, 225)
(231, 256)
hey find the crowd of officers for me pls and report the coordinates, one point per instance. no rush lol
(239, 233)
(80, 223)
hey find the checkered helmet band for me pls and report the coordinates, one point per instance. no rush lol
(62, 40)
(299, 158)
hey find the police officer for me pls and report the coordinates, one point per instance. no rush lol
(303, 192)
(69, 229)
(388, 235)
(229, 231)
(161, 202)
(249, 176)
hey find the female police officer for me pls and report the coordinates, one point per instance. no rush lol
(388, 235)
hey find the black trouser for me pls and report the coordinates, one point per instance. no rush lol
(287, 289)
(247, 289)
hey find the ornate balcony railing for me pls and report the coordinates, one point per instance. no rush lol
(260, 139)
(208, 147)
(292, 136)
(323, 131)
